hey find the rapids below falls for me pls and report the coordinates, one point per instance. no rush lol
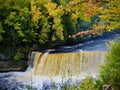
(70, 65)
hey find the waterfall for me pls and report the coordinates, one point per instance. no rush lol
(69, 64)
(91, 62)
(39, 58)
(31, 57)
(46, 69)
(60, 68)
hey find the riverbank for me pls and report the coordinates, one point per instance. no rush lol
(92, 45)
(10, 65)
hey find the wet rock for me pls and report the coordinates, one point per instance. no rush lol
(10, 65)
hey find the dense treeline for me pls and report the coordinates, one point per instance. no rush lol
(36, 24)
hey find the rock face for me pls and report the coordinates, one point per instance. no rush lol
(9, 65)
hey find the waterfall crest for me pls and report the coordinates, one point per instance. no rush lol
(74, 63)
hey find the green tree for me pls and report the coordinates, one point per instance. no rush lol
(61, 2)
(110, 13)
(15, 18)
(31, 24)
(1, 31)
(55, 12)
(110, 72)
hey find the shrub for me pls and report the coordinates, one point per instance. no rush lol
(88, 84)
(110, 72)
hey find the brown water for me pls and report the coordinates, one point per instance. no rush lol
(73, 63)
(44, 69)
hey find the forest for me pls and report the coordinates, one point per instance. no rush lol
(27, 25)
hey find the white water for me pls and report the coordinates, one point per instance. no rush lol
(13, 80)
(39, 77)
(71, 69)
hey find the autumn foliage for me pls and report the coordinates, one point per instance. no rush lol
(37, 24)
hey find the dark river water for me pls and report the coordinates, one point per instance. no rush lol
(99, 43)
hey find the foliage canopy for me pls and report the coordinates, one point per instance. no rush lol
(32, 24)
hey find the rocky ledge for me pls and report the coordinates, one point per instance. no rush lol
(10, 65)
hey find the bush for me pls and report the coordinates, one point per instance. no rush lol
(88, 84)
(110, 72)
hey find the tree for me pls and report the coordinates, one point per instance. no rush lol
(55, 12)
(110, 72)
(15, 18)
(1, 31)
(30, 24)
(110, 13)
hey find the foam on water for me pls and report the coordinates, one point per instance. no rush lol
(46, 69)
(60, 69)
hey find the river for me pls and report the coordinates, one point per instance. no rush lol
(66, 64)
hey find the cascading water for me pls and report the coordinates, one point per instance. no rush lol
(31, 57)
(39, 58)
(91, 62)
(73, 63)
(61, 67)
(46, 68)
